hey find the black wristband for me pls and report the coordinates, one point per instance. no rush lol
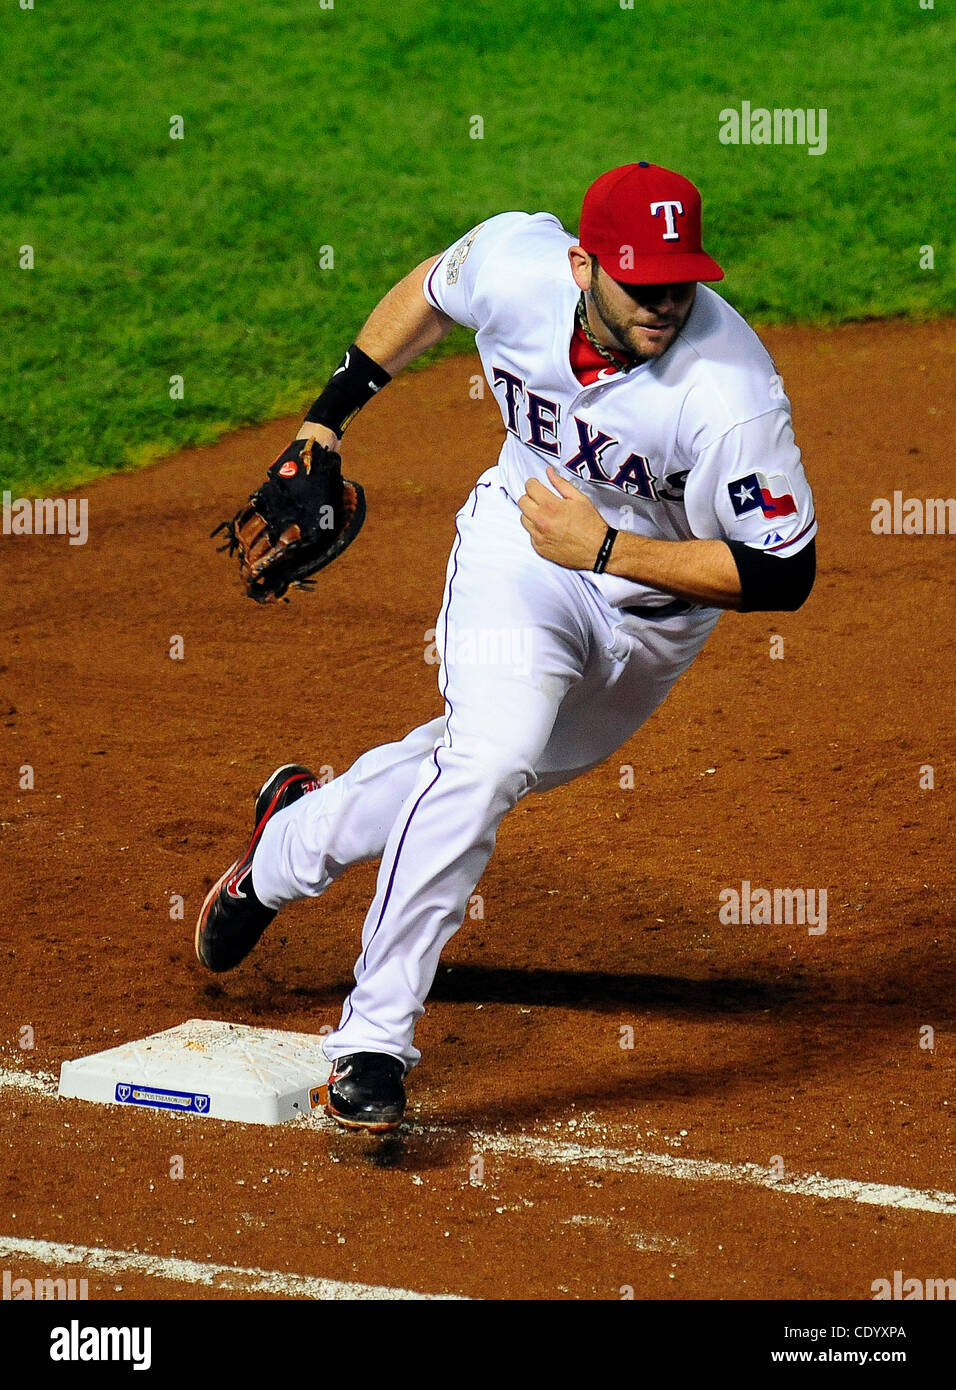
(354, 382)
(604, 554)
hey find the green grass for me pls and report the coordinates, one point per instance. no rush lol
(349, 128)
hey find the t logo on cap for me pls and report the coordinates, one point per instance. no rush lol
(670, 205)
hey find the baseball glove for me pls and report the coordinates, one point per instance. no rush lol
(300, 519)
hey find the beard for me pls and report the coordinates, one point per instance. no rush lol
(631, 335)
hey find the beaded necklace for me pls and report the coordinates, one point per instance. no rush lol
(609, 356)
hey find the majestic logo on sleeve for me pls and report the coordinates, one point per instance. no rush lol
(772, 495)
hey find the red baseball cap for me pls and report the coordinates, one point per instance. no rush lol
(643, 224)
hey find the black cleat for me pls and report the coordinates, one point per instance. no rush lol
(232, 918)
(366, 1092)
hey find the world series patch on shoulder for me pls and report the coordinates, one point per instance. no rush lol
(460, 254)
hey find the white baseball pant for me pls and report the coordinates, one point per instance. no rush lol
(542, 680)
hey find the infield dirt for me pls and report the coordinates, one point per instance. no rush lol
(600, 906)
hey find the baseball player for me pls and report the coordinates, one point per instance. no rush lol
(648, 480)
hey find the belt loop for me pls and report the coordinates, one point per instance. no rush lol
(664, 610)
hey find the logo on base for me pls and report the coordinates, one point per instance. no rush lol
(192, 1102)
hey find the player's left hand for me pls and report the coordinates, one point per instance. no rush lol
(300, 519)
(564, 528)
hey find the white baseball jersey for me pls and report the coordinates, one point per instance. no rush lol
(698, 443)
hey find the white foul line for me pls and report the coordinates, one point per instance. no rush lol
(41, 1082)
(52, 1252)
(566, 1155)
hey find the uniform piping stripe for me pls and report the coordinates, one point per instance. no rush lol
(428, 283)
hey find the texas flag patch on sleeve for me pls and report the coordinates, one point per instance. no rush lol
(771, 494)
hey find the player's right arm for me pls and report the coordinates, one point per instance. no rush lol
(415, 315)
(403, 325)
(400, 328)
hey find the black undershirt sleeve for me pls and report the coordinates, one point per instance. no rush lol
(772, 583)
